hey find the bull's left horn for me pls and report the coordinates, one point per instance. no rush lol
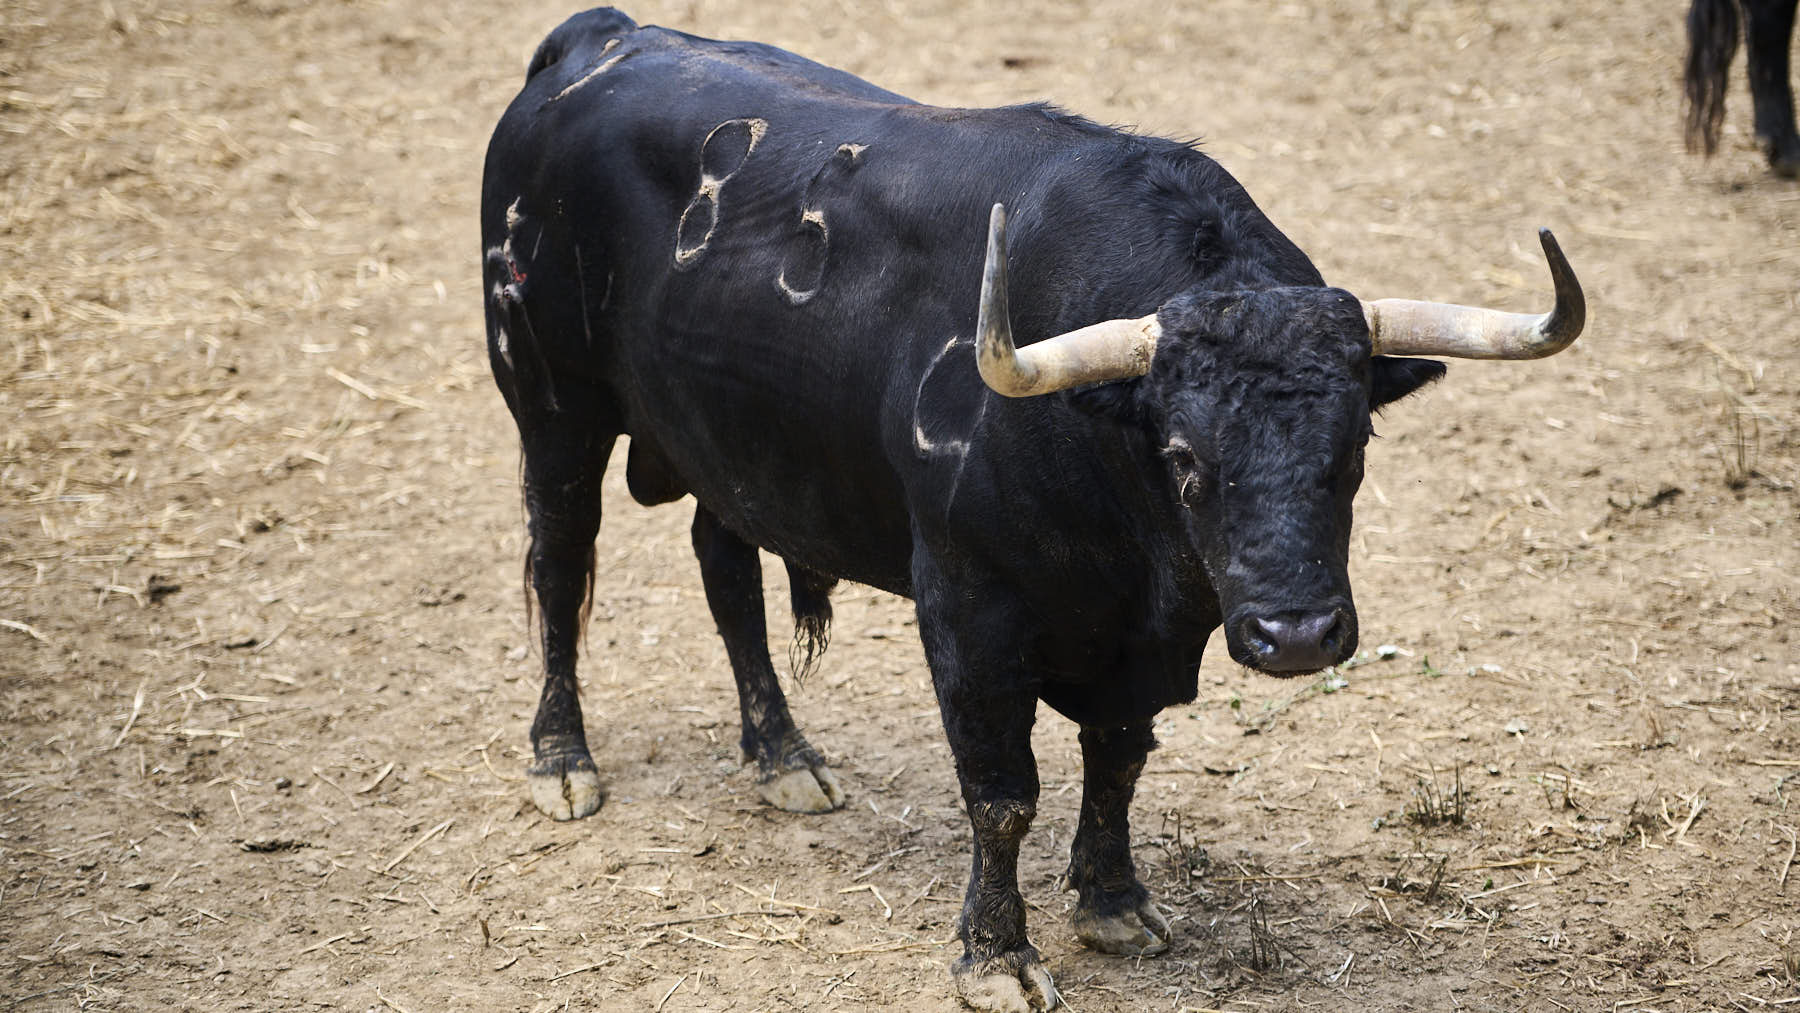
(1409, 327)
(1109, 350)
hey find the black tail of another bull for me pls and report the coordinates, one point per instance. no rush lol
(1712, 43)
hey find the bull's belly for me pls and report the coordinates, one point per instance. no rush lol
(822, 544)
(829, 520)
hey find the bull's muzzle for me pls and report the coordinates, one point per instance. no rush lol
(1293, 642)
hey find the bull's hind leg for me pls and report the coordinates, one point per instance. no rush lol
(537, 306)
(562, 499)
(1113, 913)
(791, 774)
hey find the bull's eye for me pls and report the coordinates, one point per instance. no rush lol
(1181, 454)
(1186, 466)
(1189, 489)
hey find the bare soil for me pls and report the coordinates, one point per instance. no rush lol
(264, 668)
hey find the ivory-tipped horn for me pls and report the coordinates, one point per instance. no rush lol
(1410, 327)
(1109, 350)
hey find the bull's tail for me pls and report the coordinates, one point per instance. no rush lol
(532, 626)
(1712, 44)
(523, 374)
(811, 593)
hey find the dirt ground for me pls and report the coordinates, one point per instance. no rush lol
(265, 679)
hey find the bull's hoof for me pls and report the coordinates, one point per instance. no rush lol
(811, 789)
(1142, 932)
(1013, 983)
(1784, 155)
(565, 786)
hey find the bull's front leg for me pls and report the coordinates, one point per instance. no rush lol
(988, 705)
(1113, 912)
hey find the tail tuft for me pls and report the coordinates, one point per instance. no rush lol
(811, 594)
(1712, 45)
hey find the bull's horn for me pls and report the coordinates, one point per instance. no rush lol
(1408, 327)
(1109, 350)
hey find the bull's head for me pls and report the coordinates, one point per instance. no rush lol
(1260, 402)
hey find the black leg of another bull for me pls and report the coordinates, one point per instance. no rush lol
(562, 499)
(1768, 30)
(1114, 913)
(988, 707)
(791, 774)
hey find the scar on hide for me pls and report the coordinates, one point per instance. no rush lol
(508, 295)
(804, 267)
(808, 250)
(925, 444)
(726, 148)
(599, 68)
(955, 448)
(504, 345)
(706, 201)
(508, 290)
(587, 325)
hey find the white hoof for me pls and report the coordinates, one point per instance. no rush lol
(807, 790)
(566, 794)
(1140, 933)
(1029, 991)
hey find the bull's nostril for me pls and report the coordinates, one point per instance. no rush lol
(1264, 637)
(1333, 636)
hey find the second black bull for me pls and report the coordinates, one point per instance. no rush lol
(766, 273)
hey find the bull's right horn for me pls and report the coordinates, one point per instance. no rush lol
(1109, 350)
(1410, 327)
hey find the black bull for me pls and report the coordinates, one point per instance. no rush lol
(766, 273)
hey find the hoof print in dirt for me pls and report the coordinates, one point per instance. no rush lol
(565, 788)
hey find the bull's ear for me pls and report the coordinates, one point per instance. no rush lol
(1392, 378)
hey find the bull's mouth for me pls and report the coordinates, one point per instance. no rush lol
(1285, 674)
